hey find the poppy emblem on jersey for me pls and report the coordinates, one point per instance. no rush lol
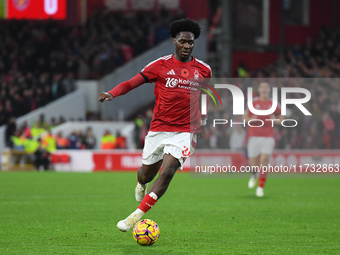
(21, 4)
(185, 72)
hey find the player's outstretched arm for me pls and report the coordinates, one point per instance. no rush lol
(122, 88)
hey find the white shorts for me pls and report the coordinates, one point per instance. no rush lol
(260, 145)
(178, 144)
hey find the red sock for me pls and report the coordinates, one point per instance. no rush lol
(147, 203)
(262, 179)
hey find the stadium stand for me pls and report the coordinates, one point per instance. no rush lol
(315, 59)
(40, 60)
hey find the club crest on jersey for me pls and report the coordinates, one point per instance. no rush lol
(185, 72)
(21, 4)
(196, 74)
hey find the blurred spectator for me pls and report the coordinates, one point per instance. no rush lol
(148, 118)
(52, 124)
(242, 70)
(108, 141)
(89, 139)
(17, 141)
(49, 142)
(61, 142)
(138, 127)
(75, 141)
(120, 141)
(68, 84)
(41, 157)
(3, 116)
(61, 120)
(295, 140)
(312, 140)
(41, 122)
(10, 131)
(30, 144)
(237, 138)
(26, 129)
(37, 130)
(28, 101)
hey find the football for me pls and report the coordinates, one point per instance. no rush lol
(146, 232)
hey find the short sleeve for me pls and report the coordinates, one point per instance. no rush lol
(209, 73)
(151, 70)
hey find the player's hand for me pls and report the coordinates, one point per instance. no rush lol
(202, 135)
(105, 96)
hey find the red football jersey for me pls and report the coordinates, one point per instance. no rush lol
(174, 88)
(267, 130)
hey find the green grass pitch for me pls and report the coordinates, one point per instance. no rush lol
(76, 213)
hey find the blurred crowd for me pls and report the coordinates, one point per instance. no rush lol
(28, 138)
(321, 130)
(40, 60)
(320, 58)
(313, 66)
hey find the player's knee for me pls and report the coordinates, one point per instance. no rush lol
(147, 178)
(264, 161)
(144, 177)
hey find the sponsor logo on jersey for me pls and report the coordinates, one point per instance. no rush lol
(173, 82)
(21, 4)
(171, 72)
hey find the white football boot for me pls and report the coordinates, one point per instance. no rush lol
(252, 181)
(259, 192)
(129, 222)
(140, 191)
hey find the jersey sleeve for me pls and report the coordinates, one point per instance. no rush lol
(151, 70)
(209, 75)
(207, 72)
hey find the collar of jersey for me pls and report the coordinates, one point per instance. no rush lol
(180, 62)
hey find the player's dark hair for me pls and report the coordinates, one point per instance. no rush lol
(184, 25)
